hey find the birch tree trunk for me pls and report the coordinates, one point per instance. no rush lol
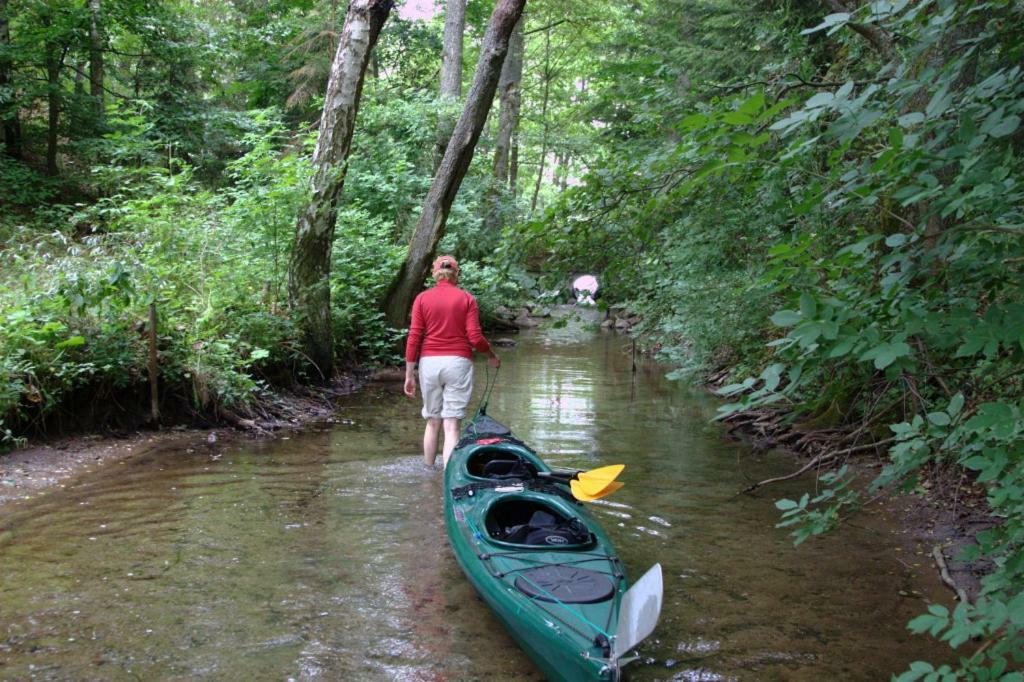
(455, 163)
(96, 60)
(451, 71)
(309, 272)
(8, 104)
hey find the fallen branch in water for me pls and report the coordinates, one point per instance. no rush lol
(820, 459)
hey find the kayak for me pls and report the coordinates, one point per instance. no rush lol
(540, 560)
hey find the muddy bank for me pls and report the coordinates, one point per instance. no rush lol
(47, 464)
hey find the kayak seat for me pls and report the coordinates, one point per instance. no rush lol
(497, 463)
(528, 522)
(506, 469)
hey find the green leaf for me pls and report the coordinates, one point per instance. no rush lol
(956, 404)
(737, 118)
(785, 318)
(990, 415)
(1005, 127)
(939, 418)
(939, 102)
(694, 121)
(976, 463)
(911, 119)
(808, 306)
(752, 105)
(71, 342)
(885, 354)
(819, 100)
(786, 505)
(832, 21)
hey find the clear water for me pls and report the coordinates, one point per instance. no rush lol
(324, 556)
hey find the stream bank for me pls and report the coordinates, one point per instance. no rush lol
(51, 463)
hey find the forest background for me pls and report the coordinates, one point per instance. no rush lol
(821, 201)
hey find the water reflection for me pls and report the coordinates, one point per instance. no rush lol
(324, 556)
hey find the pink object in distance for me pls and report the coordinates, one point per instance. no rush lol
(585, 283)
(419, 10)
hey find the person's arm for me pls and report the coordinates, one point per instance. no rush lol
(412, 348)
(476, 335)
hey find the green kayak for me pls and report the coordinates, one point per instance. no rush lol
(540, 560)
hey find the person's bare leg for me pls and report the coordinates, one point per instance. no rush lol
(451, 436)
(430, 434)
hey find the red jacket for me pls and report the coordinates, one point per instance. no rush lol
(445, 321)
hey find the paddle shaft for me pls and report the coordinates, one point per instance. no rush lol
(559, 475)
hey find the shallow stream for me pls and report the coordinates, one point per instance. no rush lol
(322, 555)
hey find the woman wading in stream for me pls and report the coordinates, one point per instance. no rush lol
(444, 332)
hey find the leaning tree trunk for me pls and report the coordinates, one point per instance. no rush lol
(451, 72)
(96, 60)
(309, 272)
(8, 107)
(455, 163)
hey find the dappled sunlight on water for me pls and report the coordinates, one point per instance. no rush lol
(324, 556)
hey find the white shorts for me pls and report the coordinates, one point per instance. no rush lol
(446, 382)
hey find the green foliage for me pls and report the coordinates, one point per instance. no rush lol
(212, 263)
(858, 211)
(20, 184)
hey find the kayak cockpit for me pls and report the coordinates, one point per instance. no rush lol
(520, 520)
(500, 463)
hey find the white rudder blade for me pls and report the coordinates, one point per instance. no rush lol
(638, 614)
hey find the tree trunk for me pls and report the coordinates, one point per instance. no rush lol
(53, 103)
(430, 227)
(8, 103)
(309, 287)
(96, 60)
(513, 163)
(543, 120)
(510, 99)
(451, 72)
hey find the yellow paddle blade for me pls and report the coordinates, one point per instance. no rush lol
(606, 474)
(582, 496)
(588, 487)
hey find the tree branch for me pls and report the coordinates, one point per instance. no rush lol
(820, 459)
(545, 28)
(105, 88)
(877, 36)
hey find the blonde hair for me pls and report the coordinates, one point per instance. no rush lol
(446, 275)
